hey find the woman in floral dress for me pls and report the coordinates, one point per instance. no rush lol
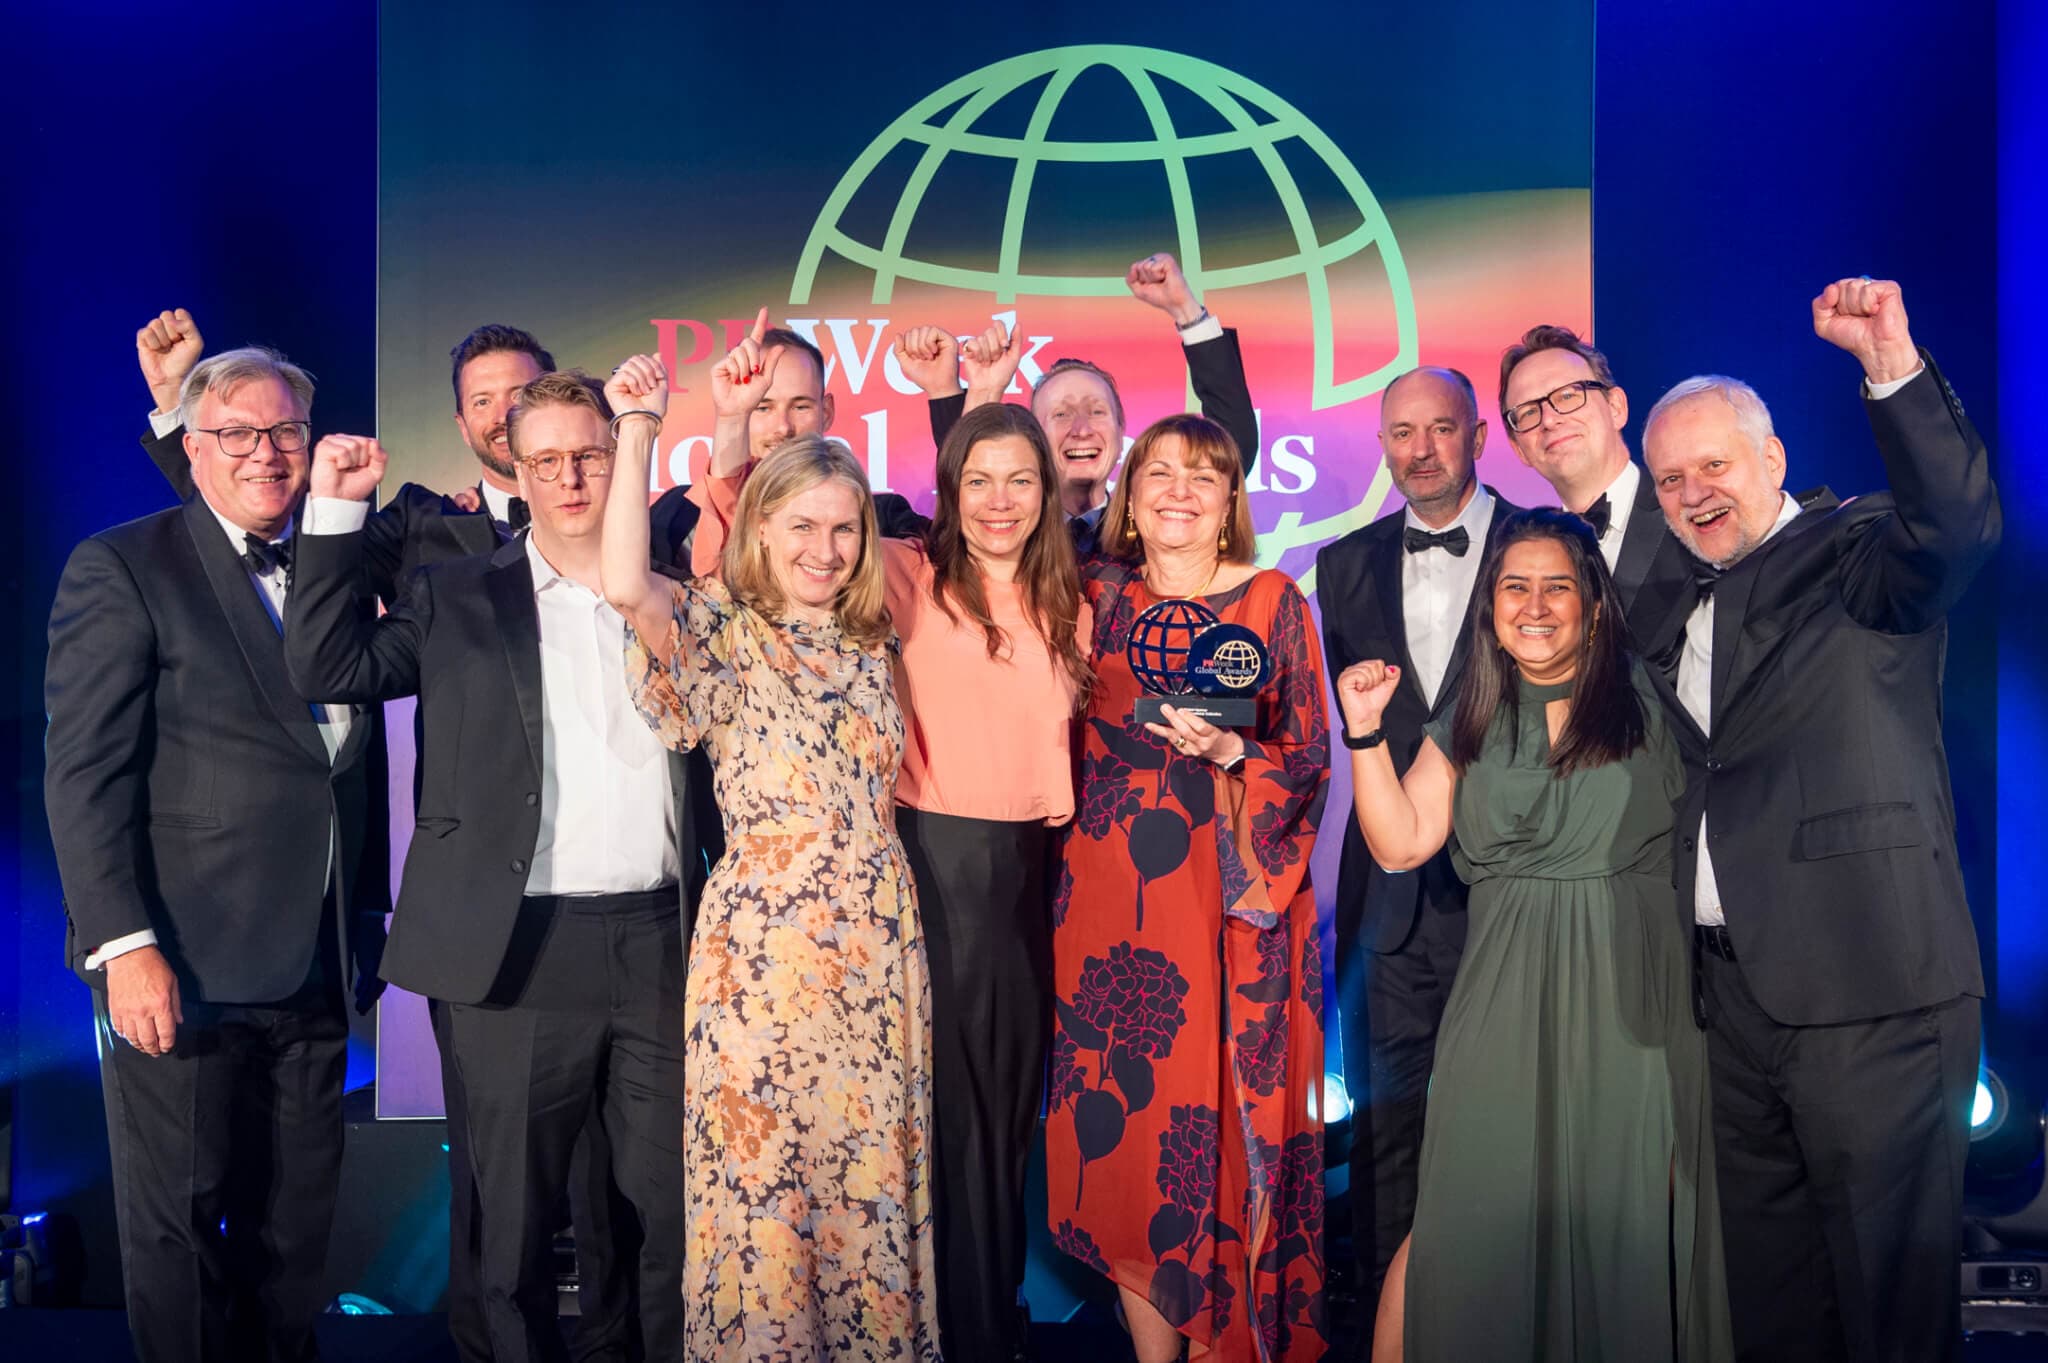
(805, 1091)
(1183, 1160)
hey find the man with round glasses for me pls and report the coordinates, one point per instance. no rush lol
(1565, 414)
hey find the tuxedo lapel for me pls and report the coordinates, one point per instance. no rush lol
(249, 621)
(1640, 544)
(510, 582)
(1733, 663)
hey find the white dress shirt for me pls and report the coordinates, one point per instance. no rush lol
(331, 720)
(497, 501)
(1696, 682)
(1621, 504)
(607, 812)
(1436, 587)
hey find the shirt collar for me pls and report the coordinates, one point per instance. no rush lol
(1788, 512)
(1621, 493)
(237, 536)
(497, 501)
(1473, 519)
(1091, 516)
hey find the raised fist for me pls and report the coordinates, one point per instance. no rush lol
(1157, 280)
(639, 384)
(740, 379)
(347, 466)
(167, 347)
(989, 362)
(930, 358)
(1363, 690)
(1867, 318)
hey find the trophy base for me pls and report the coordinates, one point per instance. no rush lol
(1225, 712)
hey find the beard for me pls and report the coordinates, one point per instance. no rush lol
(486, 452)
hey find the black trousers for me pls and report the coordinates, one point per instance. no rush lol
(226, 1158)
(984, 904)
(593, 1016)
(607, 1240)
(1840, 1152)
(1392, 1003)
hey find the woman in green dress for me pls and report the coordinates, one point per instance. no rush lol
(1566, 1209)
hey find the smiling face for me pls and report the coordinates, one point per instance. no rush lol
(570, 509)
(1578, 453)
(1431, 437)
(1078, 412)
(1178, 503)
(1538, 610)
(1001, 499)
(1720, 488)
(795, 404)
(812, 543)
(259, 492)
(488, 384)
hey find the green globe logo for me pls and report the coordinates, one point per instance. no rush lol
(1257, 121)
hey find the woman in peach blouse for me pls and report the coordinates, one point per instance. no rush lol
(989, 617)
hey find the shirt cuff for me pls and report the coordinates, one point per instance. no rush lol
(334, 516)
(1878, 392)
(162, 424)
(1208, 329)
(121, 946)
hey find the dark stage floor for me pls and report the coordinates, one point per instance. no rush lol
(36, 1336)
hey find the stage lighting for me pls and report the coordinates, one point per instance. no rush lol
(356, 1304)
(1332, 1102)
(28, 1270)
(1989, 1108)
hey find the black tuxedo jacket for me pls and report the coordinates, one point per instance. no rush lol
(187, 786)
(464, 637)
(1652, 573)
(1358, 586)
(1825, 783)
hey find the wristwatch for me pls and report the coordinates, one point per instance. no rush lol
(1371, 740)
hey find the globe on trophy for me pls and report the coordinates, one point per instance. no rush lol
(1185, 656)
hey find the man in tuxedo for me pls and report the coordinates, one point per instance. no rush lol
(1401, 590)
(220, 848)
(1838, 968)
(1565, 414)
(487, 368)
(1077, 402)
(548, 881)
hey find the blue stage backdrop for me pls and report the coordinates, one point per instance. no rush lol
(1742, 152)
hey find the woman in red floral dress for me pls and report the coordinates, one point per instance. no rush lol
(1183, 1160)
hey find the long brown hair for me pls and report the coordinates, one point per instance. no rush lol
(1606, 721)
(1203, 443)
(1047, 573)
(793, 467)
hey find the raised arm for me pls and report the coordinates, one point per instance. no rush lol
(1915, 563)
(737, 381)
(167, 347)
(1405, 820)
(1215, 367)
(333, 648)
(638, 393)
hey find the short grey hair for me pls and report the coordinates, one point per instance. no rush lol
(1752, 418)
(229, 370)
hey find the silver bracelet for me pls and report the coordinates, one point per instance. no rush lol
(637, 411)
(1190, 326)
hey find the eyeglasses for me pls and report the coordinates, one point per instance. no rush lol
(239, 442)
(1571, 397)
(592, 461)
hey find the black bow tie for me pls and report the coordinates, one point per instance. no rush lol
(1600, 515)
(1415, 540)
(265, 558)
(1704, 576)
(518, 515)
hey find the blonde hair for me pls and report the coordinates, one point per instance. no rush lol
(1204, 444)
(792, 468)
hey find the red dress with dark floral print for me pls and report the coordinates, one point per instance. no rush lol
(1183, 1159)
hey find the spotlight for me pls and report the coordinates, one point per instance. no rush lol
(356, 1304)
(2005, 1138)
(1989, 1108)
(1332, 1102)
(28, 1270)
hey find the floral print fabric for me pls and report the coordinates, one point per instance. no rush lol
(805, 1091)
(1182, 1158)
